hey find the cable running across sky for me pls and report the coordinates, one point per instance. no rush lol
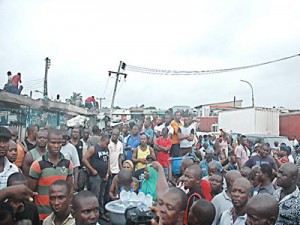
(201, 72)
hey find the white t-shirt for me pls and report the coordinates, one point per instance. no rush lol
(70, 152)
(158, 129)
(8, 169)
(115, 150)
(84, 147)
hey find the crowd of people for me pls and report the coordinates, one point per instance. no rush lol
(59, 177)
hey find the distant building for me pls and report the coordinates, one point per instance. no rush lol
(181, 108)
(212, 109)
(121, 115)
(136, 112)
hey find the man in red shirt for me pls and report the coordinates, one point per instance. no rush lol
(15, 84)
(163, 146)
(90, 102)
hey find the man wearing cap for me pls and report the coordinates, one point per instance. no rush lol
(6, 168)
(209, 158)
(283, 156)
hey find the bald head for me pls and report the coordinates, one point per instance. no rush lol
(245, 171)
(12, 144)
(290, 168)
(262, 208)
(213, 168)
(115, 135)
(240, 193)
(31, 129)
(212, 165)
(287, 175)
(243, 182)
(231, 176)
(124, 178)
(202, 212)
(185, 163)
(195, 171)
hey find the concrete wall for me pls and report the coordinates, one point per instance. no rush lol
(207, 122)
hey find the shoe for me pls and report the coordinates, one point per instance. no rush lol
(104, 217)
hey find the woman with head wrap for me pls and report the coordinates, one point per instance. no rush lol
(149, 183)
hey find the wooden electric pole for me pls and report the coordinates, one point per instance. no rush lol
(121, 65)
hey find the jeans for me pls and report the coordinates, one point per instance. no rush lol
(89, 105)
(166, 170)
(82, 179)
(98, 185)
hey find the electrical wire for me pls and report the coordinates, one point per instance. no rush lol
(120, 86)
(31, 85)
(33, 81)
(34, 84)
(106, 86)
(201, 72)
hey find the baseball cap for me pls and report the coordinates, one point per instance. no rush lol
(5, 133)
(284, 148)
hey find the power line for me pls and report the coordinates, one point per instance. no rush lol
(33, 86)
(35, 83)
(32, 81)
(201, 72)
(106, 86)
(120, 86)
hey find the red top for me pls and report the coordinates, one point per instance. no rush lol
(162, 157)
(15, 80)
(206, 189)
(90, 99)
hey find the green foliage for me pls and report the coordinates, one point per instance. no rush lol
(75, 99)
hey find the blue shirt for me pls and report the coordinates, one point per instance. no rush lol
(208, 142)
(149, 132)
(204, 167)
(133, 143)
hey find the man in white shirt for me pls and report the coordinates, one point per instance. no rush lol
(222, 201)
(240, 193)
(6, 168)
(115, 148)
(86, 135)
(70, 152)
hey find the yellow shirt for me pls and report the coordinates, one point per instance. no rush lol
(175, 125)
(142, 155)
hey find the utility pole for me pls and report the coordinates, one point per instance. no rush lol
(100, 103)
(121, 65)
(48, 63)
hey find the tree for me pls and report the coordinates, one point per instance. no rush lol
(75, 99)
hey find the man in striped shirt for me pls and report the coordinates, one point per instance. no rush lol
(50, 167)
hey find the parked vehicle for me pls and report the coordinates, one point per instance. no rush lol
(255, 138)
(255, 120)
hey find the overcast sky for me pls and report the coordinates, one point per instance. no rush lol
(85, 39)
